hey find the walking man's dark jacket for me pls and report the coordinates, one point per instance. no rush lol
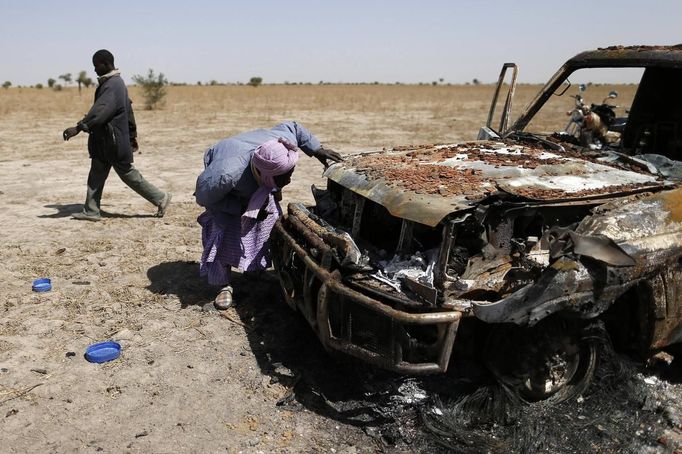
(110, 122)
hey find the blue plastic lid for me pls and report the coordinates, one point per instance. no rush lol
(42, 285)
(103, 352)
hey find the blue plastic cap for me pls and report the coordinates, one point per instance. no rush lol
(42, 285)
(103, 352)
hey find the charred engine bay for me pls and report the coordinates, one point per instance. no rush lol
(483, 254)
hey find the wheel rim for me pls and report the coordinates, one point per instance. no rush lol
(553, 360)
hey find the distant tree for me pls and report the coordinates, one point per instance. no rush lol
(58, 87)
(82, 77)
(153, 88)
(434, 83)
(87, 82)
(255, 81)
(441, 80)
(476, 82)
(213, 82)
(66, 78)
(199, 83)
(50, 82)
(39, 86)
(7, 84)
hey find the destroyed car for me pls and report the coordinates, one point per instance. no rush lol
(517, 247)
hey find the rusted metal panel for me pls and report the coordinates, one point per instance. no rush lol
(665, 292)
(647, 222)
(648, 228)
(567, 285)
(428, 209)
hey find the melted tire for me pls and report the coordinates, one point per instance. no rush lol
(553, 361)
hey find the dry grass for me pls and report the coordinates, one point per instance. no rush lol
(354, 116)
(344, 116)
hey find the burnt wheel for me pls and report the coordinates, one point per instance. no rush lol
(554, 360)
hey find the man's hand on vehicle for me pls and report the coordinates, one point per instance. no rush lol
(322, 154)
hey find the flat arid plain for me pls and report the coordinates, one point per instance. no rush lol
(254, 378)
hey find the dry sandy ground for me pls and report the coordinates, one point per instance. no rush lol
(188, 380)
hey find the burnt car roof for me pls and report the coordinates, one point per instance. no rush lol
(625, 56)
(608, 57)
(427, 183)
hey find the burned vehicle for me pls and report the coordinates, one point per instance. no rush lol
(517, 246)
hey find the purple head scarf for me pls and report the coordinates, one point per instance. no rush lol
(271, 159)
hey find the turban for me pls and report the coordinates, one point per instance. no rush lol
(271, 159)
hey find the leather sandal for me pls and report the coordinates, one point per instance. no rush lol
(224, 299)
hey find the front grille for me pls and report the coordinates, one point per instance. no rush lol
(362, 327)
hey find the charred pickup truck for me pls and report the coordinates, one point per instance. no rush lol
(516, 246)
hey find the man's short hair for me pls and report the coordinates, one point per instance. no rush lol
(104, 55)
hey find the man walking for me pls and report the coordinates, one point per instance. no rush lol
(112, 140)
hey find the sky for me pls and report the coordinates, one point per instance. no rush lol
(312, 41)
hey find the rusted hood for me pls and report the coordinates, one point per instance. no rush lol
(427, 183)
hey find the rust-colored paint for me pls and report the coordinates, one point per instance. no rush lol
(565, 265)
(663, 296)
(672, 201)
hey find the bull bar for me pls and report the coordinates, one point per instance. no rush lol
(321, 295)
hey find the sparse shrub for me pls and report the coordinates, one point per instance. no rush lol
(58, 87)
(153, 89)
(66, 78)
(39, 86)
(255, 81)
(83, 79)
